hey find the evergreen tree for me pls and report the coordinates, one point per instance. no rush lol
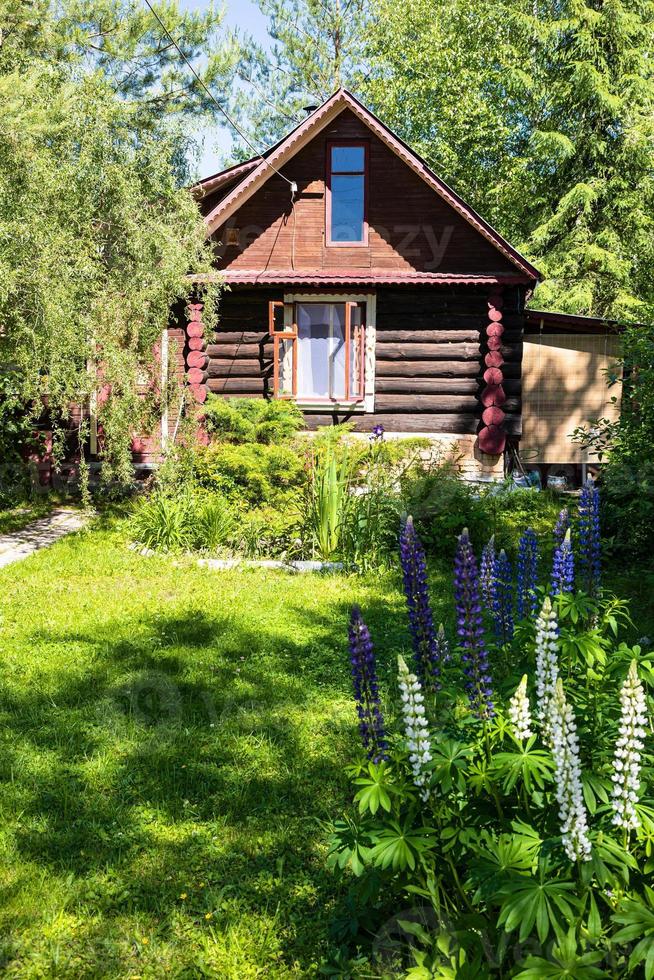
(589, 201)
(318, 47)
(449, 77)
(542, 116)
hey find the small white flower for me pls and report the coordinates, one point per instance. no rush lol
(547, 664)
(519, 711)
(628, 748)
(416, 727)
(565, 750)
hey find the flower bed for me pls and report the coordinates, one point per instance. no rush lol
(504, 796)
(262, 490)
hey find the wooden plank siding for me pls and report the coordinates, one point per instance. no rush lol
(411, 228)
(429, 358)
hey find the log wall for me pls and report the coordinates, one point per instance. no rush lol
(431, 355)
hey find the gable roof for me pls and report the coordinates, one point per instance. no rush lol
(254, 173)
(213, 183)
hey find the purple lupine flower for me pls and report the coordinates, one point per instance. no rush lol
(487, 571)
(366, 688)
(503, 598)
(426, 651)
(563, 567)
(527, 599)
(470, 630)
(589, 538)
(561, 526)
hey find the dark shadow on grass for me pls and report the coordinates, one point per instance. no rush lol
(219, 750)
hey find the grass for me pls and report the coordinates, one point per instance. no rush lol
(171, 739)
(16, 518)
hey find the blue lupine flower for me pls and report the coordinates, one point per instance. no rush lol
(527, 599)
(366, 688)
(503, 598)
(487, 572)
(470, 629)
(590, 560)
(561, 526)
(426, 652)
(563, 567)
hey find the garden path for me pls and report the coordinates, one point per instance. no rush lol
(39, 534)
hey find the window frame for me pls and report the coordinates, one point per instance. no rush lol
(287, 333)
(365, 145)
(361, 401)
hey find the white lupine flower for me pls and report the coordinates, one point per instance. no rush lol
(519, 711)
(626, 762)
(416, 727)
(547, 665)
(565, 750)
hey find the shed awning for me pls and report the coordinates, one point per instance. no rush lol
(569, 323)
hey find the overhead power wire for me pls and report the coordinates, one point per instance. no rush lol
(215, 101)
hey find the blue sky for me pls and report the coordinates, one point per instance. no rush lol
(246, 16)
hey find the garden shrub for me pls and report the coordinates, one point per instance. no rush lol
(213, 521)
(243, 420)
(509, 509)
(249, 473)
(442, 504)
(628, 510)
(341, 496)
(267, 532)
(353, 496)
(163, 522)
(167, 523)
(176, 473)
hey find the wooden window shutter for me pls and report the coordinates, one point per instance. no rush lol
(284, 351)
(355, 353)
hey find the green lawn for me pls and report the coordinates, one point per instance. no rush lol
(171, 739)
(16, 518)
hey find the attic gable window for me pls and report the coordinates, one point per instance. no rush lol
(347, 173)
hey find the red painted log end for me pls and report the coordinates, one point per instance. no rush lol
(493, 395)
(492, 440)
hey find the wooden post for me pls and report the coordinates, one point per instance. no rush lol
(164, 387)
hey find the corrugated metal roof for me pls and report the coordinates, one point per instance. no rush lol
(294, 277)
(573, 322)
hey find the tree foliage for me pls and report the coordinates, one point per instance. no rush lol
(542, 116)
(318, 46)
(97, 234)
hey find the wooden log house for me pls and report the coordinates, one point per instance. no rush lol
(361, 286)
(364, 288)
